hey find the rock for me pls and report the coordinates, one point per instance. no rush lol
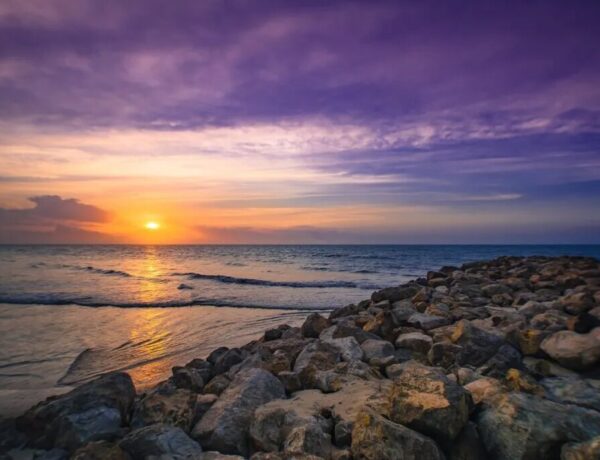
(217, 385)
(490, 290)
(216, 354)
(343, 433)
(308, 439)
(225, 426)
(426, 322)
(519, 426)
(520, 381)
(577, 302)
(92, 412)
(530, 341)
(348, 347)
(394, 294)
(203, 368)
(382, 325)
(184, 286)
(348, 310)
(376, 438)
(507, 357)
(468, 445)
(188, 378)
(214, 455)
(573, 350)
(588, 450)
(203, 403)
(424, 399)
(414, 341)
(342, 330)
(166, 405)
(484, 389)
(160, 441)
(583, 323)
(100, 450)
(226, 360)
(477, 345)
(318, 354)
(291, 381)
(550, 320)
(443, 354)
(572, 390)
(314, 325)
(532, 308)
(374, 349)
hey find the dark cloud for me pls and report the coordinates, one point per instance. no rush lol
(52, 220)
(147, 63)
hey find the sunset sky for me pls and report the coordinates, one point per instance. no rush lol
(299, 122)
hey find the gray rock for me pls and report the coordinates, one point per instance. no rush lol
(427, 322)
(343, 433)
(166, 405)
(393, 294)
(188, 378)
(415, 341)
(160, 441)
(572, 390)
(228, 359)
(424, 399)
(348, 347)
(92, 412)
(518, 426)
(217, 385)
(308, 439)
(573, 350)
(377, 349)
(376, 438)
(225, 426)
(318, 354)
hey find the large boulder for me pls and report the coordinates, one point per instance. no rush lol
(393, 294)
(225, 425)
(92, 412)
(377, 349)
(167, 405)
(318, 354)
(376, 438)
(588, 450)
(349, 348)
(477, 345)
(573, 350)
(415, 341)
(573, 390)
(160, 441)
(425, 399)
(427, 322)
(314, 325)
(519, 426)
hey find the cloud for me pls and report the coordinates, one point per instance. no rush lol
(52, 220)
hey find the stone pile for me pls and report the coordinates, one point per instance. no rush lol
(493, 360)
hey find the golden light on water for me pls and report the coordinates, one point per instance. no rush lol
(152, 225)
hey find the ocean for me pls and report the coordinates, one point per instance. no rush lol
(70, 313)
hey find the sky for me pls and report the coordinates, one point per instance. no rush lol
(299, 121)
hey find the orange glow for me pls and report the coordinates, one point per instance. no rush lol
(152, 225)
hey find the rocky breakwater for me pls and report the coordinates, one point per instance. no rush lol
(493, 360)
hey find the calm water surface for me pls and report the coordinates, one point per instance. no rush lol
(69, 313)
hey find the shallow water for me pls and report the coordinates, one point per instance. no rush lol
(60, 324)
(46, 350)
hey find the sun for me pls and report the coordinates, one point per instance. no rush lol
(152, 225)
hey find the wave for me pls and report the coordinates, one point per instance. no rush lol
(198, 302)
(291, 284)
(87, 268)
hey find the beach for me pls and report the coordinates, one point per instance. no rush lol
(491, 358)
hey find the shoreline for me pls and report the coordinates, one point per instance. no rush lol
(428, 369)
